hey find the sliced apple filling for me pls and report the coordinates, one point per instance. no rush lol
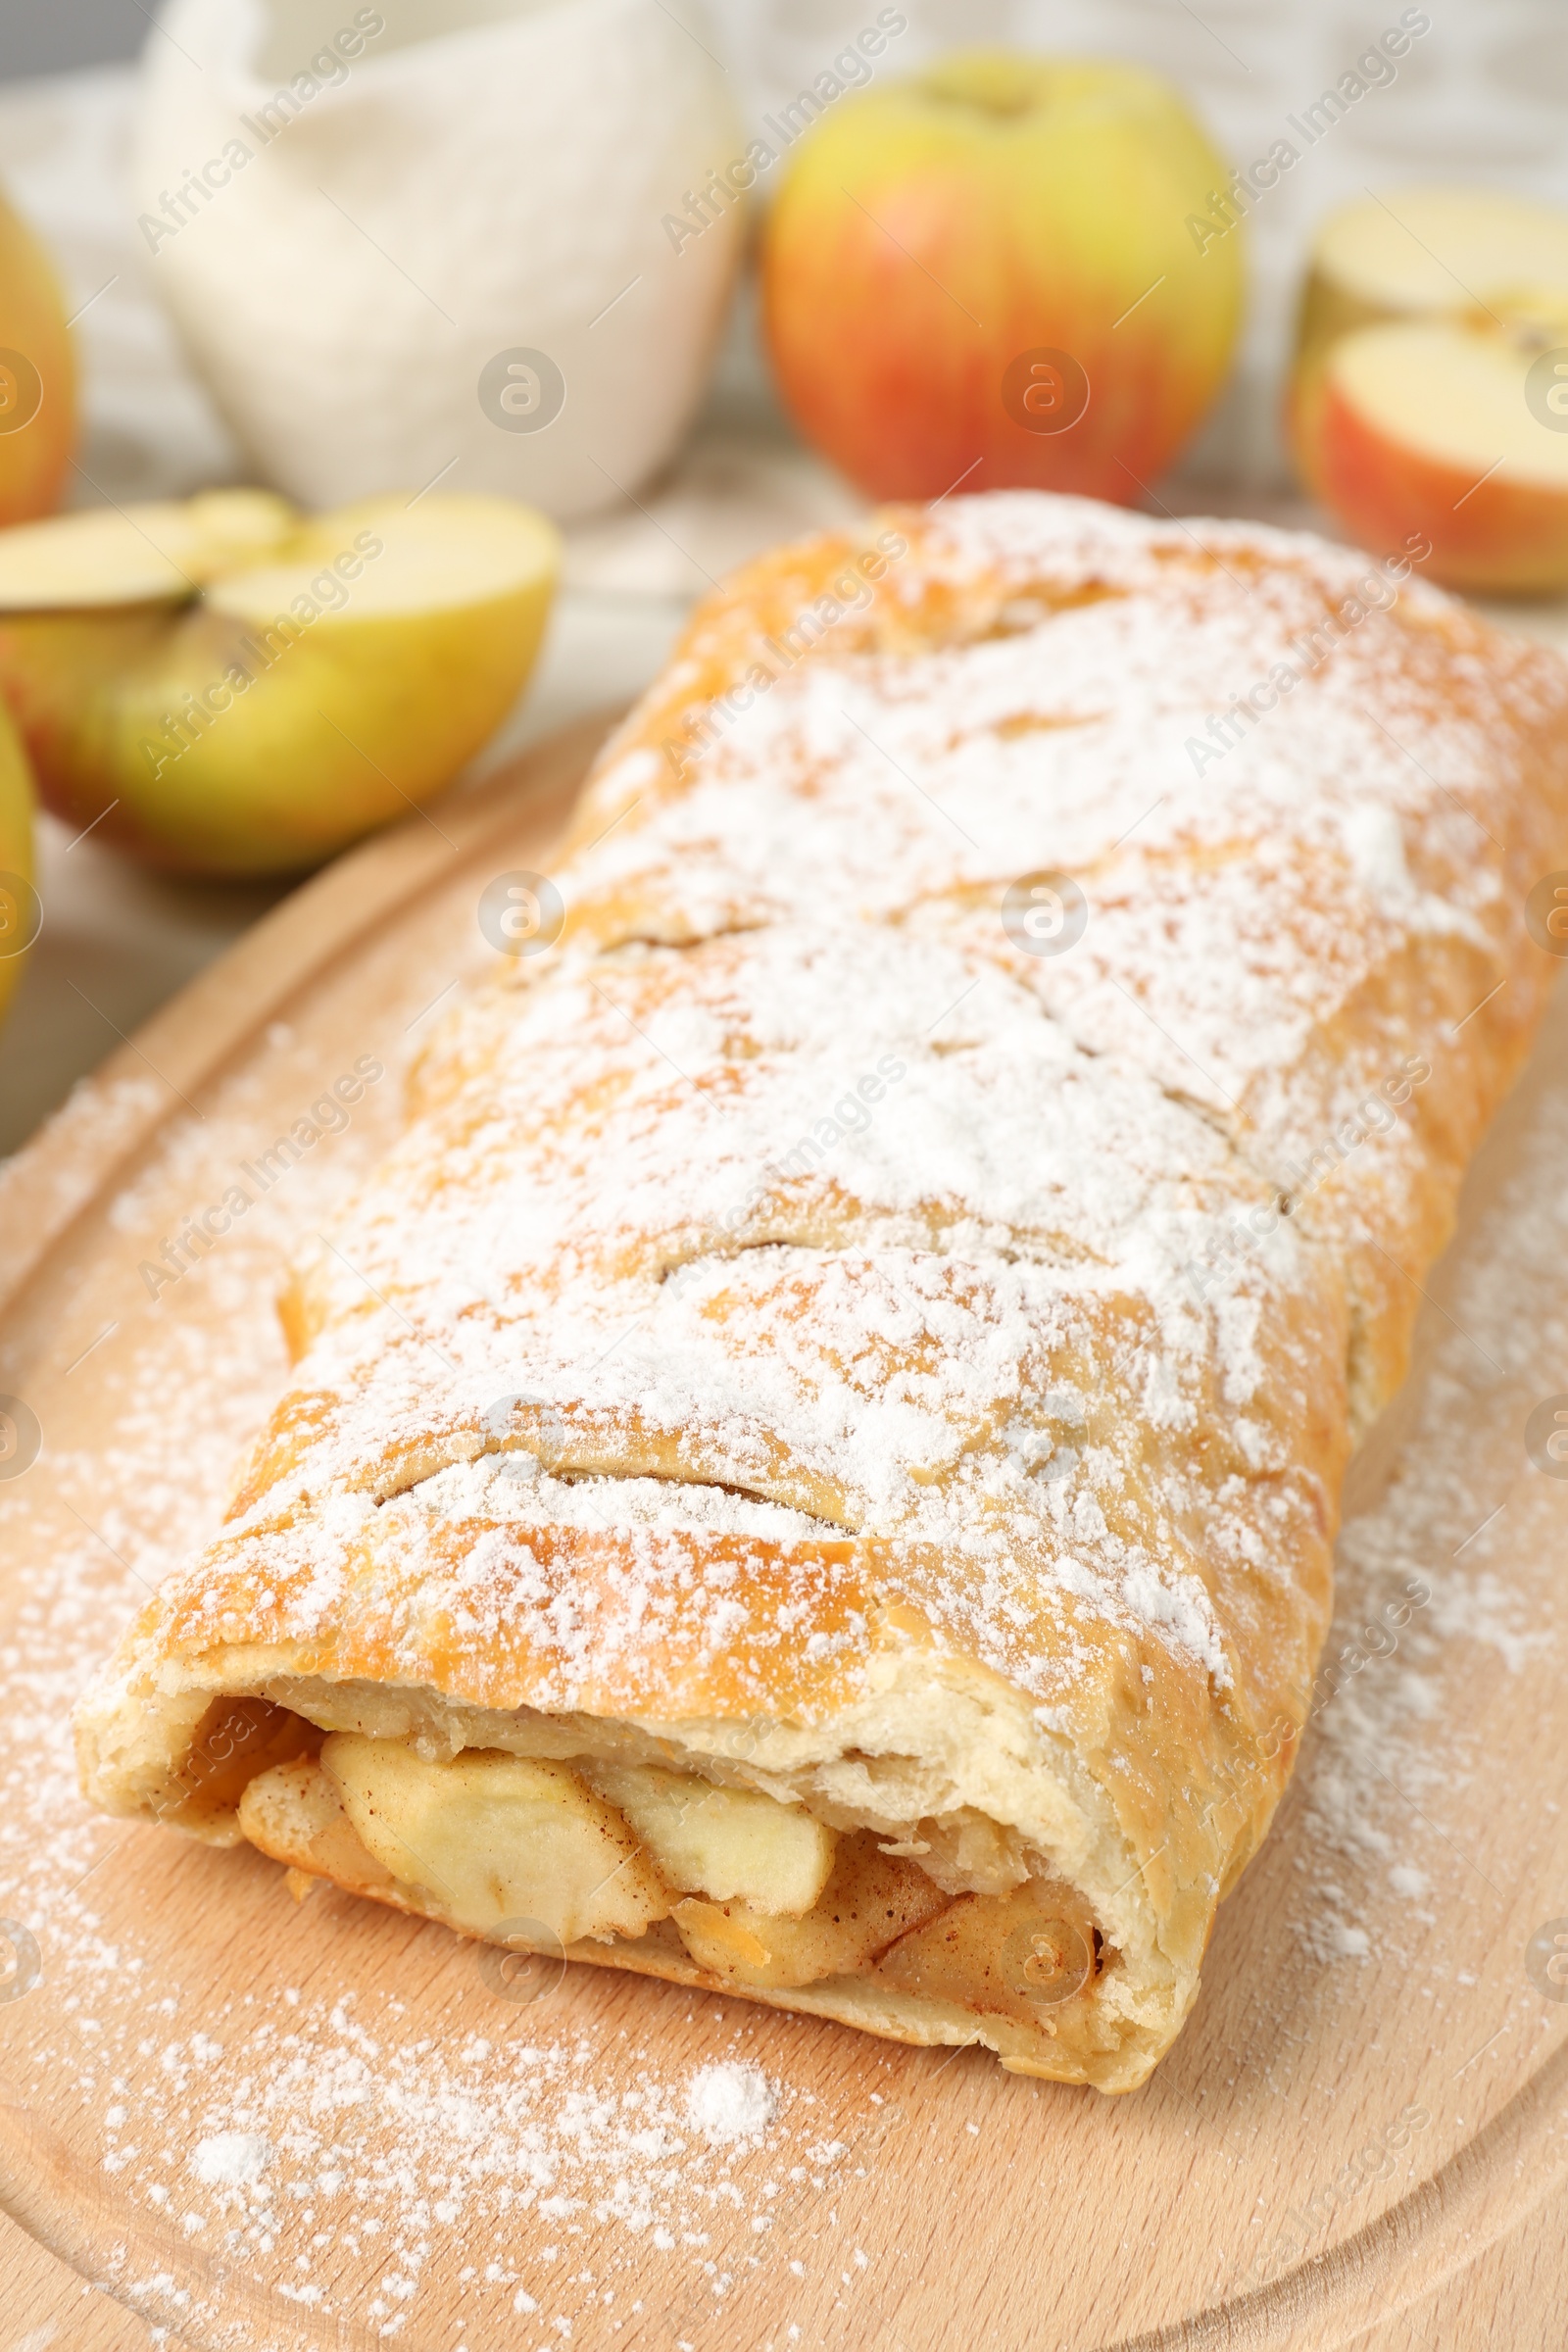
(493, 1838)
(870, 1901)
(763, 1896)
(730, 1844)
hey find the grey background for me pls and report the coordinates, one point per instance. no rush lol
(49, 36)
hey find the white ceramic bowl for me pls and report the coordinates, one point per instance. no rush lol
(425, 238)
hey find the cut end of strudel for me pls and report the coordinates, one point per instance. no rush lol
(811, 1468)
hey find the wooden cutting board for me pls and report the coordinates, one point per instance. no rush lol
(266, 2124)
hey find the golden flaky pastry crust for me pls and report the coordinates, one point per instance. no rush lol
(810, 1334)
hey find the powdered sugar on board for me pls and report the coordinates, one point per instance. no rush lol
(326, 2138)
(731, 2102)
(1447, 1587)
(230, 2159)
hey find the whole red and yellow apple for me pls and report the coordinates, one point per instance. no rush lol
(37, 376)
(987, 274)
(1430, 388)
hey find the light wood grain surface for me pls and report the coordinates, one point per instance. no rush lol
(1362, 2137)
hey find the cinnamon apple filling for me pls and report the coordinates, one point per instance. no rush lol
(761, 1895)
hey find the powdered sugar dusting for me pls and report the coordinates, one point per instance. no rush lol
(230, 2159)
(731, 2101)
(812, 1186)
(1249, 876)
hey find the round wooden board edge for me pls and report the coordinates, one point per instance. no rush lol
(1396, 2262)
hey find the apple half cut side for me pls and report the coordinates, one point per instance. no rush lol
(1425, 427)
(1421, 252)
(18, 903)
(229, 688)
(1423, 316)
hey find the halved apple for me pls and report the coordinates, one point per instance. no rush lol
(1425, 428)
(19, 906)
(1418, 252)
(233, 688)
(1430, 389)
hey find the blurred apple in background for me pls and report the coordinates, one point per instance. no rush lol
(18, 903)
(1430, 388)
(226, 687)
(425, 240)
(985, 274)
(37, 376)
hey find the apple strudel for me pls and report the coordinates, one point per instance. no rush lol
(811, 1468)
